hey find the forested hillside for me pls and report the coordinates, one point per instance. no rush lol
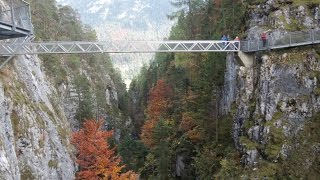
(87, 81)
(176, 104)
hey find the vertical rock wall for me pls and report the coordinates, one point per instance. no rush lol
(276, 97)
(34, 131)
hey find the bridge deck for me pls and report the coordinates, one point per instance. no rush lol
(15, 20)
(292, 39)
(8, 31)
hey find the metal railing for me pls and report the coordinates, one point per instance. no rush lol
(291, 39)
(72, 47)
(17, 14)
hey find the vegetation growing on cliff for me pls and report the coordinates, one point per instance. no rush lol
(88, 75)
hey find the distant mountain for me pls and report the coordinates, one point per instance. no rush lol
(134, 14)
(126, 20)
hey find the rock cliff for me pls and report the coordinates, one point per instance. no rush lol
(34, 130)
(42, 99)
(38, 114)
(272, 101)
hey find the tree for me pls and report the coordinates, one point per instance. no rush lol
(95, 158)
(84, 91)
(187, 9)
(158, 105)
(133, 152)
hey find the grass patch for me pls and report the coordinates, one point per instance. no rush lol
(26, 173)
(305, 2)
(316, 91)
(64, 134)
(248, 123)
(56, 108)
(294, 25)
(277, 138)
(40, 122)
(45, 108)
(19, 125)
(266, 170)
(276, 116)
(314, 74)
(272, 151)
(248, 143)
(53, 164)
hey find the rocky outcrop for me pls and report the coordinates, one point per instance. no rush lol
(34, 131)
(37, 116)
(229, 87)
(275, 106)
(97, 95)
(280, 17)
(43, 100)
(275, 97)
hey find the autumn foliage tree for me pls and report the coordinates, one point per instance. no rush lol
(158, 105)
(95, 158)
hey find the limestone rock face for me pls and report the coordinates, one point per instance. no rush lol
(229, 89)
(280, 17)
(38, 112)
(34, 131)
(71, 95)
(271, 101)
(37, 118)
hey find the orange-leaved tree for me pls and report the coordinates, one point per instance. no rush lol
(95, 158)
(158, 105)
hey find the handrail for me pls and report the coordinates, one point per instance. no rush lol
(288, 40)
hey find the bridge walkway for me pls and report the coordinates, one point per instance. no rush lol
(76, 47)
(291, 39)
(15, 20)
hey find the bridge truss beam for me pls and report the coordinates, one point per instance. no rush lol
(76, 47)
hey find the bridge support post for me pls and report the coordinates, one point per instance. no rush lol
(14, 25)
(246, 59)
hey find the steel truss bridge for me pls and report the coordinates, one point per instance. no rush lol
(15, 21)
(76, 47)
(26, 46)
(293, 39)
